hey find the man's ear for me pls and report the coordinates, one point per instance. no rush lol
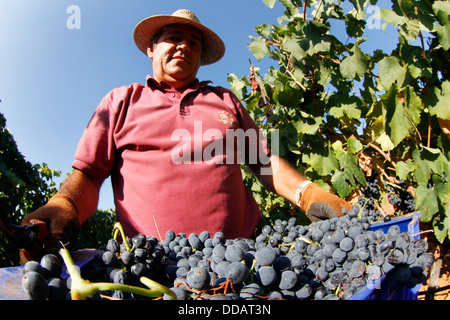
(150, 51)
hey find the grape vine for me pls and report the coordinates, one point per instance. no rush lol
(344, 115)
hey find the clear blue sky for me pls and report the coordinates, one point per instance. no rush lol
(52, 78)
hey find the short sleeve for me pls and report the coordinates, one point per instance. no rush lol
(96, 149)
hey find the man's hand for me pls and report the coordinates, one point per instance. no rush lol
(61, 218)
(65, 212)
(320, 204)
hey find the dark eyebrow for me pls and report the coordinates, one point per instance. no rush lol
(170, 30)
(177, 32)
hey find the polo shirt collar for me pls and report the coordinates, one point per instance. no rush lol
(162, 85)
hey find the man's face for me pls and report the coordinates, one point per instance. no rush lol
(176, 55)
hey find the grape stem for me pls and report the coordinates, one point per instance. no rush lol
(81, 288)
(118, 228)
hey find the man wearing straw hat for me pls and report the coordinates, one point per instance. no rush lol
(165, 146)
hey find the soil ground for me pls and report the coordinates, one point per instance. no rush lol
(440, 251)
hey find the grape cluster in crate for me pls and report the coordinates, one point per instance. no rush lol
(330, 259)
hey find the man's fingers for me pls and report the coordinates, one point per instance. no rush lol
(321, 211)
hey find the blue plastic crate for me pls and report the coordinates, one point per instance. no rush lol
(382, 288)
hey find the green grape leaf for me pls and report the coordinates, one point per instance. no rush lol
(427, 202)
(354, 66)
(391, 72)
(440, 101)
(397, 123)
(258, 48)
(270, 3)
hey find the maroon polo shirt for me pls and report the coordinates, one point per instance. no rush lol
(171, 159)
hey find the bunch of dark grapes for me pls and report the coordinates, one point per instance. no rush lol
(42, 279)
(371, 191)
(401, 199)
(370, 195)
(330, 259)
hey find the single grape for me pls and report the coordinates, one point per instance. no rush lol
(138, 270)
(346, 244)
(193, 260)
(395, 257)
(139, 240)
(373, 272)
(321, 274)
(300, 246)
(421, 246)
(140, 254)
(195, 242)
(52, 265)
(127, 258)
(361, 240)
(266, 256)
(220, 267)
(288, 280)
(57, 289)
(198, 278)
(304, 292)
(328, 264)
(337, 236)
(298, 261)
(237, 272)
(312, 248)
(234, 253)
(203, 236)
(363, 253)
(33, 266)
(282, 263)
(266, 275)
(317, 235)
(218, 238)
(121, 277)
(385, 246)
(181, 272)
(354, 231)
(358, 269)
(218, 253)
(328, 249)
(339, 256)
(35, 285)
(113, 246)
(170, 235)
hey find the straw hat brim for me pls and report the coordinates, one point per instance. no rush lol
(145, 30)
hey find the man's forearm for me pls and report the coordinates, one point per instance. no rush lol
(83, 191)
(279, 177)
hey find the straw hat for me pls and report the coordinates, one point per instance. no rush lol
(147, 28)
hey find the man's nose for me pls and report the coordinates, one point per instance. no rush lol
(183, 45)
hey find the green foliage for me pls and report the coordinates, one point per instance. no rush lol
(23, 188)
(97, 230)
(344, 114)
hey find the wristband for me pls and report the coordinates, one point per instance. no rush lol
(299, 191)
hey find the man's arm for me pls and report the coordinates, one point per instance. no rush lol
(83, 191)
(279, 177)
(283, 179)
